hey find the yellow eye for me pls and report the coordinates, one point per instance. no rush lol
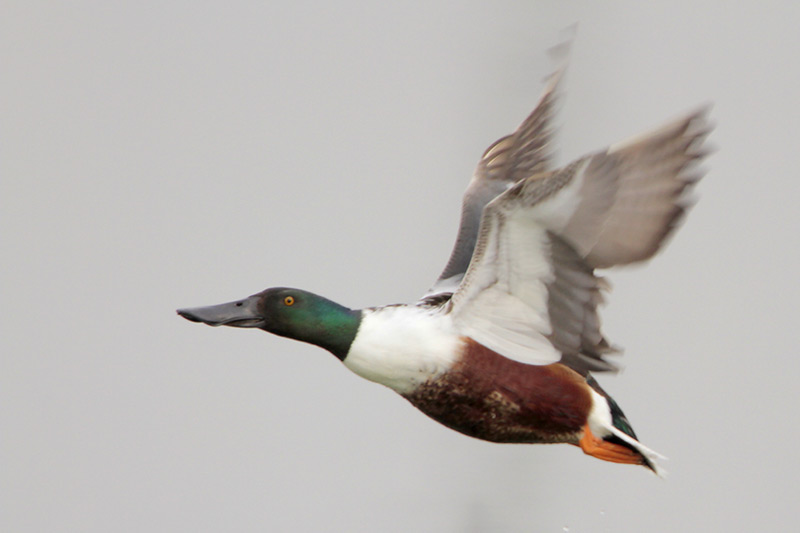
(289, 300)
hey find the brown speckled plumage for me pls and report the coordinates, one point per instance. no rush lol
(493, 398)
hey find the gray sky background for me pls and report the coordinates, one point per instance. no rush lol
(156, 155)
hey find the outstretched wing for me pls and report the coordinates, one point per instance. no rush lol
(526, 152)
(530, 292)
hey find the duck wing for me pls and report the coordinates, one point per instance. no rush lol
(526, 152)
(530, 292)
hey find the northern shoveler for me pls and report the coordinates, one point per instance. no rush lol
(503, 345)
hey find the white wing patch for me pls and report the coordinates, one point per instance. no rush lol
(502, 304)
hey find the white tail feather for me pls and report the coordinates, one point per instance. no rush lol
(652, 456)
(600, 422)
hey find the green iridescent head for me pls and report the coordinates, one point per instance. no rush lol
(292, 313)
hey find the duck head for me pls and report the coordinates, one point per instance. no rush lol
(287, 312)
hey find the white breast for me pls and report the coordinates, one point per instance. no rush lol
(403, 346)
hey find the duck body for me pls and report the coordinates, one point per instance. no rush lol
(419, 354)
(417, 351)
(504, 345)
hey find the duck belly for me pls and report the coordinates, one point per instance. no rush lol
(490, 397)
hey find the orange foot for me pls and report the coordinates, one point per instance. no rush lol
(607, 451)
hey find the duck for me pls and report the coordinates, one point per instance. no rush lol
(505, 345)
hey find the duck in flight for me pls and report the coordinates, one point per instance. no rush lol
(504, 345)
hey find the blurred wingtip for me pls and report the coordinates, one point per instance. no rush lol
(560, 52)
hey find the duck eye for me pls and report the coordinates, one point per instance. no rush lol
(289, 300)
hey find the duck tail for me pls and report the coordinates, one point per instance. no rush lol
(615, 440)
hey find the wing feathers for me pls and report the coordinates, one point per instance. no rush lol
(635, 194)
(499, 304)
(574, 294)
(530, 292)
(526, 152)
